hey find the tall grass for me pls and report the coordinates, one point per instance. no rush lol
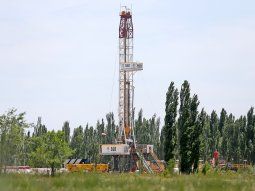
(129, 182)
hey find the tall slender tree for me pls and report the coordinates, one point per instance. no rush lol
(66, 130)
(39, 129)
(110, 128)
(170, 133)
(215, 134)
(184, 128)
(222, 120)
(204, 146)
(197, 136)
(77, 142)
(195, 132)
(250, 135)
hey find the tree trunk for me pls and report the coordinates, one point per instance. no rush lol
(52, 170)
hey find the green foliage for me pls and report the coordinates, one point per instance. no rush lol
(215, 134)
(223, 116)
(39, 129)
(189, 129)
(66, 130)
(206, 168)
(196, 139)
(250, 135)
(12, 138)
(77, 142)
(50, 151)
(110, 128)
(147, 130)
(170, 166)
(204, 145)
(184, 128)
(170, 133)
(234, 138)
(85, 141)
(189, 136)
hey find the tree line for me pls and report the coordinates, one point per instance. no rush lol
(44, 148)
(187, 134)
(190, 134)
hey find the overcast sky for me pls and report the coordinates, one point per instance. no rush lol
(59, 58)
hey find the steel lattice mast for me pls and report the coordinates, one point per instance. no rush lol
(127, 69)
(125, 152)
(125, 77)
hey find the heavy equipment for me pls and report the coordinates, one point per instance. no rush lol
(126, 153)
(76, 165)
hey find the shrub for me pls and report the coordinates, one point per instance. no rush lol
(206, 168)
(169, 167)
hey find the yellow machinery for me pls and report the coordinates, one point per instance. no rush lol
(87, 167)
(102, 167)
(84, 165)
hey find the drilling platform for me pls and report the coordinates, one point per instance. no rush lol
(126, 154)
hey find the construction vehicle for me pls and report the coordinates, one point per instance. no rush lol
(87, 167)
(84, 165)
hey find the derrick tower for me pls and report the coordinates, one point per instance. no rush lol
(127, 68)
(125, 151)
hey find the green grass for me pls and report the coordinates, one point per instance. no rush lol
(130, 182)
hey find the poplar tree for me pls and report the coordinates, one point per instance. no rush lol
(138, 125)
(110, 129)
(39, 129)
(243, 146)
(170, 134)
(197, 136)
(189, 129)
(66, 130)
(204, 146)
(184, 128)
(215, 134)
(222, 120)
(222, 124)
(229, 132)
(77, 142)
(195, 131)
(250, 142)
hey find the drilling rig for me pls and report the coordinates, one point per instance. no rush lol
(127, 155)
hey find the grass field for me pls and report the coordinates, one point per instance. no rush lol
(130, 182)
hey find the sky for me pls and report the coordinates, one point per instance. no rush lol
(59, 58)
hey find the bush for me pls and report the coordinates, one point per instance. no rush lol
(206, 168)
(169, 167)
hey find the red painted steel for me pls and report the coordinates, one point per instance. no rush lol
(126, 25)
